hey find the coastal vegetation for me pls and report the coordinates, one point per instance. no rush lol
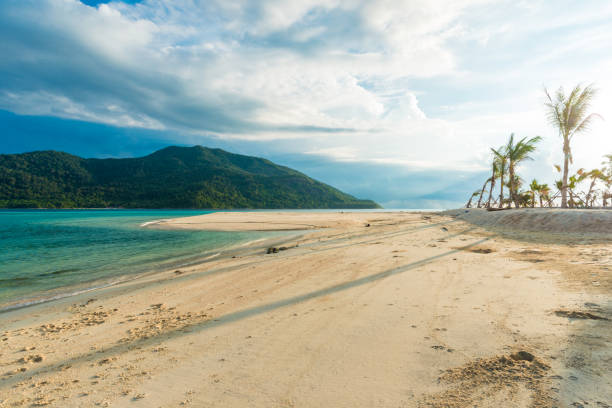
(174, 177)
(569, 115)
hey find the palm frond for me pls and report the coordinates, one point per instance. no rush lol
(568, 113)
(585, 125)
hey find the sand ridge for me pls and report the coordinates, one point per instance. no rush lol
(551, 220)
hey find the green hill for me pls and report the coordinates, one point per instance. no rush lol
(174, 177)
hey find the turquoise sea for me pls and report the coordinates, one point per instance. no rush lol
(47, 253)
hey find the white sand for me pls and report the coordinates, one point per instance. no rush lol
(415, 310)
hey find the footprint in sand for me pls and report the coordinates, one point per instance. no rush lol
(35, 358)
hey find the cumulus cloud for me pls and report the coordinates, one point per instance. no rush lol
(269, 69)
(412, 84)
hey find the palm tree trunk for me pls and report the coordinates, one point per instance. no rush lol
(481, 193)
(566, 155)
(588, 196)
(541, 202)
(501, 187)
(533, 199)
(511, 186)
(469, 203)
(491, 190)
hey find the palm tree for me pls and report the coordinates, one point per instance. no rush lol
(482, 191)
(516, 153)
(502, 158)
(534, 188)
(544, 193)
(572, 182)
(474, 194)
(607, 179)
(595, 175)
(569, 115)
(495, 166)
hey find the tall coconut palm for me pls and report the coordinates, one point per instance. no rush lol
(502, 159)
(568, 113)
(517, 153)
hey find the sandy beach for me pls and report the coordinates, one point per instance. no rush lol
(355, 309)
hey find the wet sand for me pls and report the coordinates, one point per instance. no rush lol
(414, 310)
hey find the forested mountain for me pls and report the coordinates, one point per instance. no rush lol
(174, 177)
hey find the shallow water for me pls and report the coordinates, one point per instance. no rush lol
(47, 253)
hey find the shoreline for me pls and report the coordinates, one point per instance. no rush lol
(67, 292)
(384, 309)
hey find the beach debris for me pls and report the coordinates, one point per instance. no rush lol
(444, 229)
(573, 314)
(481, 250)
(178, 272)
(367, 225)
(275, 250)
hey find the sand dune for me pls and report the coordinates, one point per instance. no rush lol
(414, 310)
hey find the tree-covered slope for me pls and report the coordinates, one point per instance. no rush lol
(174, 177)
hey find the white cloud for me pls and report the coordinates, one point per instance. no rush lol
(341, 78)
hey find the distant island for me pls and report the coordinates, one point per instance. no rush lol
(173, 177)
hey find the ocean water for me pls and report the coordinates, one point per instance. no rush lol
(47, 253)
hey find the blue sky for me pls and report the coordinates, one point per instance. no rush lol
(389, 100)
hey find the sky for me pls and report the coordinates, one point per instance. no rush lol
(395, 101)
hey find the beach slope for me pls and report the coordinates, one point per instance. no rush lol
(381, 309)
